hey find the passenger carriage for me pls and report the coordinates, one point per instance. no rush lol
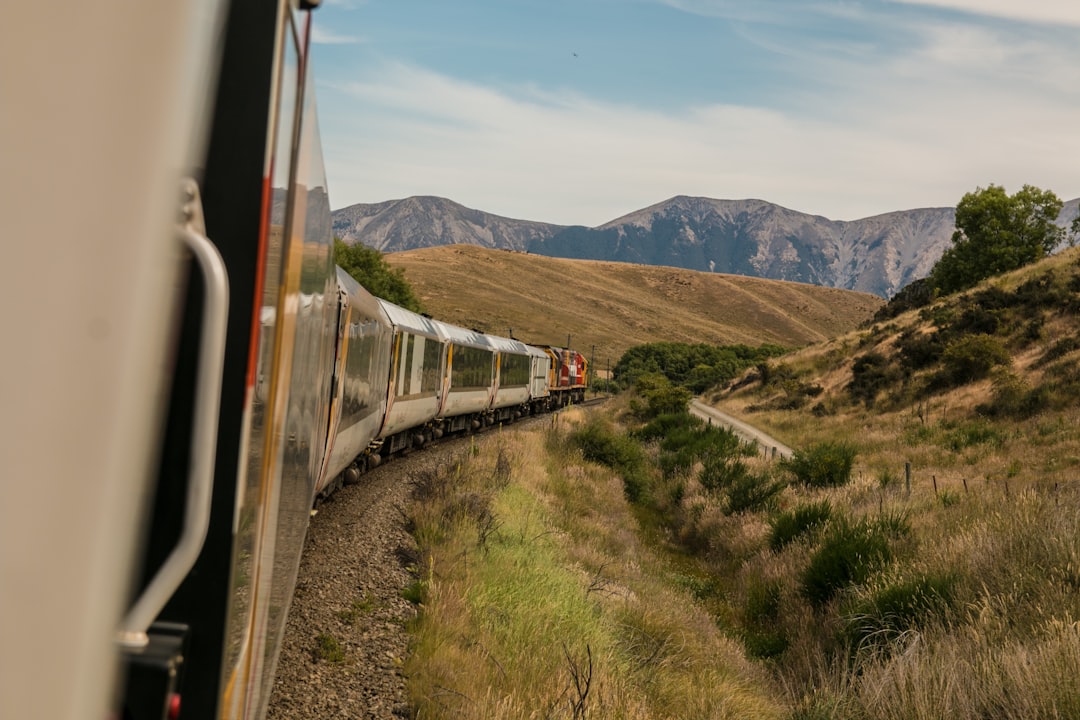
(361, 379)
(469, 380)
(513, 376)
(416, 380)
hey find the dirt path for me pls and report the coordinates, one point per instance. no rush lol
(767, 443)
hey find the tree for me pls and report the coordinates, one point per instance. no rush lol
(997, 233)
(367, 266)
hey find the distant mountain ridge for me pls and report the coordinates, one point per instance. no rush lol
(878, 255)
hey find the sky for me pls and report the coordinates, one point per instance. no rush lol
(578, 112)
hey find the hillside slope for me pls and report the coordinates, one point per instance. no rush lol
(614, 306)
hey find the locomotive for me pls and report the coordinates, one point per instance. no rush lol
(186, 370)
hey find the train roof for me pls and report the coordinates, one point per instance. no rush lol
(408, 320)
(462, 336)
(359, 296)
(536, 351)
(508, 345)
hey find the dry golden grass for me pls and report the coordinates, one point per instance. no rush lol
(615, 306)
(992, 510)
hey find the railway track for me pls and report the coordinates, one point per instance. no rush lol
(357, 559)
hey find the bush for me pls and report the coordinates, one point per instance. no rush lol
(826, 464)
(762, 635)
(694, 366)
(913, 295)
(849, 553)
(969, 434)
(665, 424)
(602, 444)
(787, 527)
(889, 611)
(751, 493)
(919, 350)
(1013, 398)
(1060, 349)
(660, 396)
(971, 358)
(721, 472)
(686, 439)
(871, 374)
(328, 649)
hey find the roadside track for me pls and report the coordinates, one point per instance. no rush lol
(768, 444)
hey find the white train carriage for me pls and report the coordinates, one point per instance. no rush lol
(416, 380)
(513, 377)
(540, 371)
(361, 373)
(468, 380)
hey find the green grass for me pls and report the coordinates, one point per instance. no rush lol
(328, 649)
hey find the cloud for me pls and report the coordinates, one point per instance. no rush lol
(1039, 11)
(322, 36)
(964, 108)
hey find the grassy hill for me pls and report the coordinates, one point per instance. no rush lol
(954, 594)
(617, 305)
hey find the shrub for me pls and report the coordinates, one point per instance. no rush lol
(871, 374)
(919, 350)
(976, 320)
(849, 553)
(787, 527)
(1013, 398)
(665, 424)
(751, 493)
(1042, 292)
(721, 472)
(971, 358)
(826, 464)
(660, 395)
(685, 440)
(774, 374)
(888, 611)
(602, 444)
(1060, 349)
(914, 295)
(762, 635)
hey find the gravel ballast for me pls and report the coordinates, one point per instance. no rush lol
(355, 564)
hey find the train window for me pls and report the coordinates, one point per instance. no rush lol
(471, 367)
(431, 378)
(357, 402)
(406, 379)
(514, 370)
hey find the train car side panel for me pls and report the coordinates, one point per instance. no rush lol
(416, 377)
(364, 343)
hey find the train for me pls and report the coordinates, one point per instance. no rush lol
(186, 370)
(402, 380)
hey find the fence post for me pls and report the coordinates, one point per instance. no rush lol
(907, 477)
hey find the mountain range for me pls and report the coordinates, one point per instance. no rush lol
(878, 254)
